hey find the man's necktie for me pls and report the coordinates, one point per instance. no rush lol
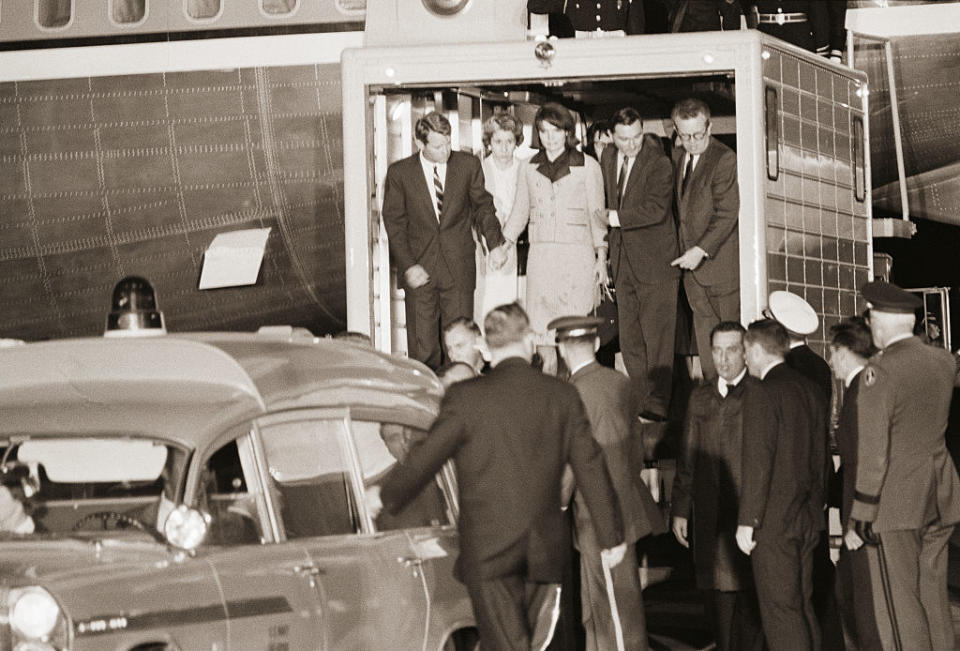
(687, 173)
(438, 189)
(621, 180)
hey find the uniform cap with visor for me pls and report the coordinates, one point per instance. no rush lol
(793, 313)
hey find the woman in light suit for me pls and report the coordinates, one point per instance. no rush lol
(501, 135)
(560, 195)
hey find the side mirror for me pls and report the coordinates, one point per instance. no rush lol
(185, 528)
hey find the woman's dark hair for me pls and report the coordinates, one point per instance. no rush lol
(558, 116)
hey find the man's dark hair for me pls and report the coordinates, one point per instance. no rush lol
(853, 334)
(726, 326)
(770, 335)
(505, 325)
(435, 122)
(462, 322)
(625, 116)
(687, 109)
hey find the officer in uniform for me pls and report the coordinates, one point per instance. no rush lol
(613, 615)
(805, 23)
(907, 497)
(595, 18)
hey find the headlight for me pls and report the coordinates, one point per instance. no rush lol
(36, 619)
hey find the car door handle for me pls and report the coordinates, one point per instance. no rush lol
(410, 561)
(308, 569)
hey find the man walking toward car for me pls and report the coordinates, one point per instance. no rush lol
(510, 434)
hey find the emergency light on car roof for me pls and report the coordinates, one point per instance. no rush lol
(133, 312)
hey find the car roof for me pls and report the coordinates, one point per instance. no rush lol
(189, 387)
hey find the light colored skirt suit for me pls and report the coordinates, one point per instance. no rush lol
(567, 225)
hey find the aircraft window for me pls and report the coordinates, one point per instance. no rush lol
(127, 12)
(773, 134)
(54, 14)
(203, 9)
(279, 7)
(859, 165)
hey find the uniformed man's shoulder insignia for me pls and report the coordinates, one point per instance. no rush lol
(870, 376)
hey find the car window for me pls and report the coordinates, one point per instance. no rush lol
(309, 471)
(380, 446)
(234, 510)
(97, 483)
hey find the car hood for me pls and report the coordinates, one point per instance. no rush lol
(64, 561)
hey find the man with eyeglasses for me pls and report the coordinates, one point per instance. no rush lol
(707, 208)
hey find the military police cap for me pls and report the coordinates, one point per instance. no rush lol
(887, 297)
(575, 326)
(794, 313)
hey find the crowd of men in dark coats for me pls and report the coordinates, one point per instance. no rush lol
(750, 494)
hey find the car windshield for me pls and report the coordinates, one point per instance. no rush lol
(103, 485)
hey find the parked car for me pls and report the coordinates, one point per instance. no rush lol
(205, 491)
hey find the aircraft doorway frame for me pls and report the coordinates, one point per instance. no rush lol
(368, 72)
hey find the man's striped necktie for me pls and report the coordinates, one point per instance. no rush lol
(438, 189)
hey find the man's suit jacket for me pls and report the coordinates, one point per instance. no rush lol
(709, 211)
(813, 367)
(510, 434)
(708, 484)
(905, 476)
(647, 237)
(606, 394)
(416, 237)
(784, 455)
(847, 440)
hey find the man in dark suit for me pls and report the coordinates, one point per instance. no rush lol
(637, 176)
(510, 434)
(850, 348)
(613, 614)
(799, 319)
(707, 206)
(907, 497)
(708, 487)
(431, 202)
(781, 510)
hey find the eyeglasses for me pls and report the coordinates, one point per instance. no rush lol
(696, 137)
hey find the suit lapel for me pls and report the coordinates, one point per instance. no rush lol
(416, 170)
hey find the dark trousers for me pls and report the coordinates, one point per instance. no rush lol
(736, 620)
(912, 573)
(783, 572)
(646, 314)
(601, 618)
(710, 305)
(514, 614)
(824, 595)
(855, 598)
(429, 309)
